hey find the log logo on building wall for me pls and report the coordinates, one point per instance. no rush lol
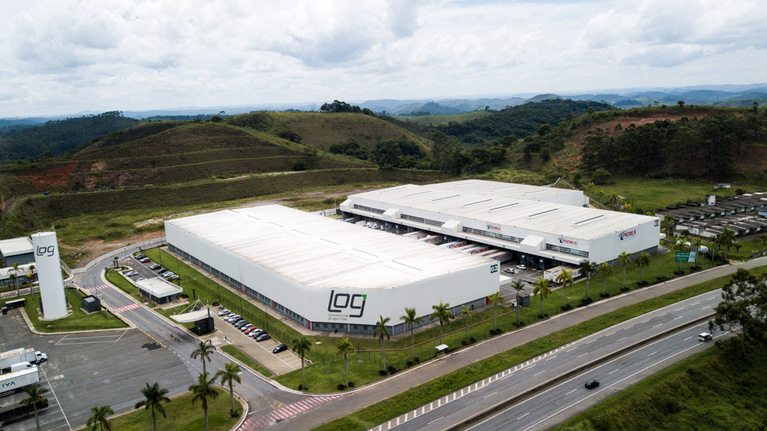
(353, 304)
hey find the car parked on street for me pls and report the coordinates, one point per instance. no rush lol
(280, 348)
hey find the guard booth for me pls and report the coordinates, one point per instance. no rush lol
(199, 315)
(90, 304)
(524, 299)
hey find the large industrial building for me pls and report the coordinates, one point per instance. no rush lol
(542, 227)
(329, 275)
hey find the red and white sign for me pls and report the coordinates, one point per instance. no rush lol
(627, 235)
(567, 242)
(493, 227)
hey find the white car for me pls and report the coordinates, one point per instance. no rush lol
(520, 266)
(224, 312)
(509, 270)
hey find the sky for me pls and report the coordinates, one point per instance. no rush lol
(69, 56)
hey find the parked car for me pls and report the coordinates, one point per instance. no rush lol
(263, 337)
(246, 326)
(155, 266)
(256, 333)
(241, 323)
(509, 270)
(224, 312)
(591, 384)
(168, 274)
(140, 256)
(280, 348)
(251, 329)
(172, 277)
(145, 260)
(130, 273)
(140, 279)
(230, 318)
(704, 336)
(520, 266)
(160, 270)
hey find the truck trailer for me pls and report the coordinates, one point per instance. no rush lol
(18, 380)
(11, 409)
(20, 355)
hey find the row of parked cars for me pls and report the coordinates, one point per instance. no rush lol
(249, 329)
(165, 273)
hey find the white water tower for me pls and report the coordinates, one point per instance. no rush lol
(48, 267)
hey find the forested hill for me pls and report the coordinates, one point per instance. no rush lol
(520, 121)
(57, 137)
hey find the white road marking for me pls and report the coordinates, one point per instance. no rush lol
(435, 420)
(574, 390)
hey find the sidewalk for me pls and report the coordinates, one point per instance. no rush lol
(405, 380)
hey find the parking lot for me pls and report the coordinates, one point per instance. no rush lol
(91, 369)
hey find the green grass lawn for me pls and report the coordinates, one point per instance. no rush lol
(650, 194)
(245, 359)
(417, 396)
(716, 390)
(182, 415)
(77, 321)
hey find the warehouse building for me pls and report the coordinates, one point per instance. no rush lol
(328, 275)
(543, 227)
(159, 290)
(16, 250)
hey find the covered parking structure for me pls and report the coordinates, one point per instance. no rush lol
(159, 290)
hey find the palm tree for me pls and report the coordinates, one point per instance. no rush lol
(99, 418)
(204, 351)
(443, 313)
(15, 277)
(679, 246)
(410, 318)
(565, 277)
(643, 259)
(229, 375)
(497, 299)
(541, 287)
(725, 240)
(518, 286)
(587, 268)
(466, 312)
(35, 396)
(603, 271)
(696, 242)
(31, 286)
(382, 332)
(669, 222)
(203, 390)
(302, 346)
(624, 259)
(344, 348)
(154, 396)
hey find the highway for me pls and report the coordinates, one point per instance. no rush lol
(560, 399)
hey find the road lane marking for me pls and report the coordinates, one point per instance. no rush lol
(582, 354)
(523, 415)
(435, 420)
(574, 390)
(613, 371)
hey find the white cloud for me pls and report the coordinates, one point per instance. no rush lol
(60, 57)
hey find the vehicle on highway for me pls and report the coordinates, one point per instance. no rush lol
(520, 266)
(155, 266)
(224, 312)
(256, 333)
(263, 337)
(704, 336)
(145, 260)
(591, 384)
(280, 348)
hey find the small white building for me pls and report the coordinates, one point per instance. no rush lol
(326, 274)
(159, 290)
(16, 250)
(542, 226)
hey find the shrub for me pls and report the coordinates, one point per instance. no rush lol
(382, 372)
(472, 340)
(341, 386)
(351, 384)
(391, 369)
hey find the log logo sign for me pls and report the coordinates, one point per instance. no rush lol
(345, 305)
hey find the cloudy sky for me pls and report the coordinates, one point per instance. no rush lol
(67, 56)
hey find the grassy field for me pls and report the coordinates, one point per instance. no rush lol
(417, 396)
(77, 321)
(714, 390)
(650, 195)
(247, 360)
(182, 415)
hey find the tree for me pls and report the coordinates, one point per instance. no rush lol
(668, 222)
(643, 260)
(203, 390)
(601, 176)
(344, 348)
(229, 375)
(541, 287)
(98, 419)
(680, 246)
(743, 309)
(154, 396)
(466, 311)
(587, 268)
(496, 298)
(603, 271)
(35, 396)
(302, 346)
(15, 277)
(443, 313)
(382, 332)
(725, 240)
(623, 260)
(410, 318)
(566, 278)
(204, 351)
(696, 243)
(518, 286)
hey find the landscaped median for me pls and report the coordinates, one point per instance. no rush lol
(435, 389)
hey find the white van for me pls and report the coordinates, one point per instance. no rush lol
(704, 336)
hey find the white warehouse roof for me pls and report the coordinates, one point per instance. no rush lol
(323, 253)
(159, 287)
(514, 191)
(16, 246)
(489, 202)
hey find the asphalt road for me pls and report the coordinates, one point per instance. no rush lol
(457, 407)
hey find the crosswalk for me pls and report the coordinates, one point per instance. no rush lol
(95, 288)
(125, 308)
(286, 411)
